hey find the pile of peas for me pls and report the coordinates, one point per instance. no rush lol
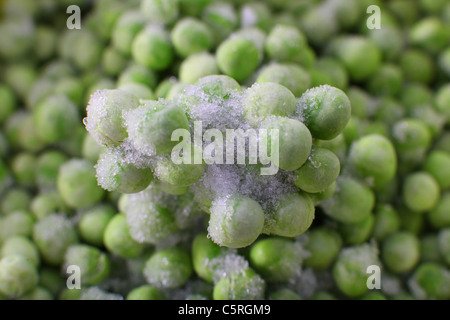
(87, 178)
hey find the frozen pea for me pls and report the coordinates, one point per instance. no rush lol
(51, 280)
(429, 33)
(172, 189)
(291, 76)
(410, 220)
(42, 88)
(196, 66)
(190, 35)
(400, 251)
(429, 248)
(337, 145)
(93, 223)
(351, 203)
(442, 100)
(193, 7)
(53, 235)
(100, 83)
(72, 88)
(91, 150)
(176, 89)
(113, 61)
(329, 71)
(415, 94)
(21, 32)
(256, 14)
(438, 216)
(38, 293)
(15, 199)
(268, 98)
(135, 73)
(46, 203)
(374, 158)
(219, 86)
(244, 285)
(430, 280)
(318, 30)
(285, 43)
(204, 250)
(47, 168)
(386, 221)
(320, 170)
(8, 103)
(390, 39)
(164, 87)
(360, 56)
(293, 215)
(103, 18)
(146, 292)
(23, 246)
(168, 268)
(160, 11)
(417, 66)
(86, 50)
(23, 168)
(444, 244)
(326, 194)
(437, 163)
(77, 184)
(283, 294)
(324, 245)
(139, 90)
(178, 174)
(361, 102)
(117, 238)
(20, 77)
(444, 59)
(294, 142)
(222, 18)
(387, 80)
(389, 111)
(18, 276)
(125, 30)
(104, 119)
(17, 223)
(152, 48)
(349, 270)
(150, 126)
(93, 263)
(237, 57)
(410, 134)
(276, 259)
(235, 221)
(21, 132)
(326, 111)
(420, 191)
(358, 232)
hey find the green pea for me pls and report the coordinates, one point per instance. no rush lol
(351, 203)
(444, 59)
(21, 132)
(417, 66)
(17, 223)
(8, 103)
(284, 294)
(91, 150)
(359, 232)
(237, 57)
(15, 199)
(320, 170)
(416, 94)
(5, 178)
(47, 168)
(329, 71)
(52, 280)
(190, 35)
(390, 39)
(430, 281)
(235, 221)
(86, 49)
(323, 246)
(196, 66)
(411, 221)
(18, 276)
(373, 296)
(420, 191)
(389, 111)
(326, 111)
(291, 76)
(72, 88)
(165, 86)
(430, 34)
(438, 216)
(437, 164)
(349, 270)
(361, 102)
(113, 61)
(23, 246)
(318, 197)
(386, 221)
(152, 48)
(117, 238)
(204, 251)
(219, 86)
(53, 235)
(442, 100)
(21, 32)
(222, 18)
(38, 293)
(168, 268)
(104, 119)
(94, 264)
(178, 174)
(23, 168)
(125, 30)
(429, 248)
(444, 244)
(160, 11)
(400, 251)
(139, 90)
(387, 80)
(135, 73)
(276, 259)
(256, 14)
(146, 292)
(93, 223)
(44, 204)
(284, 43)
(244, 285)
(77, 184)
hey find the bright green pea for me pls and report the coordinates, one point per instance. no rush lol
(196, 66)
(222, 18)
(359, 232)
(417, 66)
(256, 14)
(77, 184)
(285, 43)
(420, 191)
(168, 268)
(400, 251)
(135, 73)
(94, 264)
(190, 35)
(361, 102)
(47, 168)
(351, 203)
(415, 94)
(291, 76)
(152, 48)
(244, 285)
(326, 111)
(329, 71)
(93, 223)
(235, 221)
(293, 215)
(52, 280)
(320, 170)
(444, 58)
(178, 174)
(430, 34)
(323, 246)
(219, 86)
(126, 28)
(23, 168)
(113, 61)
(387, 80)
(204, 251)
(429, 248)
(18, 276)
(237, 57)
(437, 164)
(389, 111)
(160, 11)
(276, 259)
(117, 238)
(21, 132)
(386, 222)
(15, 199)
(438, 216)
(91, 150)
(104, 119)
(17, 223)
(430, 280)
(53, 235)
(442, 100)
(23, 246)
(146, 292)
(47, 203)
